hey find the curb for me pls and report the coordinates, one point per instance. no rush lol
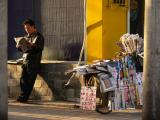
(57, 104)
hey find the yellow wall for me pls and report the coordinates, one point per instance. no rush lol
(106, 22)
(94, 30)
(114, 25)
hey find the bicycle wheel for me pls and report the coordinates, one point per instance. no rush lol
(104, 104)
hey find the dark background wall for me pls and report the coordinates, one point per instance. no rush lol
(60, 21)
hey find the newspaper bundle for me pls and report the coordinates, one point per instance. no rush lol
(131, 43)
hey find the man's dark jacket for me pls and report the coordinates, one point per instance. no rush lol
(33, 56)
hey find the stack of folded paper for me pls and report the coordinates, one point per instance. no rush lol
(130, 43)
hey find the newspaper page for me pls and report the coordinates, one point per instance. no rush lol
(23, 43)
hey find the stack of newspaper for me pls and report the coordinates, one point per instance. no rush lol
(130, 43)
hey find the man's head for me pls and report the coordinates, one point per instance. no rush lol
(29, 26)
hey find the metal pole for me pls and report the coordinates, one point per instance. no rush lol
(83, 49)
(151, 107)
(128, 18)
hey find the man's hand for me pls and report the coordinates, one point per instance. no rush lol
(31, 43)
(17, 46)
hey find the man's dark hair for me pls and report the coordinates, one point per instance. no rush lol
(29, 21)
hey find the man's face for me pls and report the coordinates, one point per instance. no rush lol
(29, 29)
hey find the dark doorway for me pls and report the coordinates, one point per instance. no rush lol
(137, 17)
(18, 10)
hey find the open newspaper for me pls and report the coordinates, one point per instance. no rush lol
(23, 43)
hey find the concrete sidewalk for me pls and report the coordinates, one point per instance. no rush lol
(35, 110)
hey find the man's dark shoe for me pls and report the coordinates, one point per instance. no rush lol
(21, 99)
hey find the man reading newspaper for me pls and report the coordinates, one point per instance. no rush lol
(31, 45)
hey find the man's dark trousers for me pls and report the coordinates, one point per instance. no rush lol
(27, 80)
